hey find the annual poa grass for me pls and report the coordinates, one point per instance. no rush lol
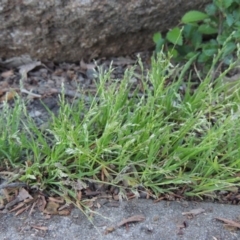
(163, 140)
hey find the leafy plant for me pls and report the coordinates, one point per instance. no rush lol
(204, 33)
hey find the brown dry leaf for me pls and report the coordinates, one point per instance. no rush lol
(23, 194)
(71, 74)
(79, 195)
(58, 72)
(7, 74)
(63, 207)
(24, 69)
(8, 96)
(6, 193)
(52, 208)
(89, 203)
(229, 222)
(104, 172)
(230, 228)
(41, 203)
(85, 66)
(57, 200)
(233, 189)
(39, 227)
(33, 206)
(20, 205)
(22, 210)
(64, 212)
(109, 230)
(158, 199)
(1, 203)
(136, 218)
(194, 212)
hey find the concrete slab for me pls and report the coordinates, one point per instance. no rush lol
(163, 220)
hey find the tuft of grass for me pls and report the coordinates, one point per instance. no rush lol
(170, 136)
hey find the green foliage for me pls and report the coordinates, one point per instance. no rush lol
(160, 138)
(174, 36)
(194, 16)
(204, 33)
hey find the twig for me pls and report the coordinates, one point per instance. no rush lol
(136, 218)
(30, 93)
(13, 185)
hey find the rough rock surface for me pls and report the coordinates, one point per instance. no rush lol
(63, 30)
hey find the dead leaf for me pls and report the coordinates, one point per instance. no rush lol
(23, 194)
(8, 96)
(79, 195)
(6, 194)
(41, 203)
(85, 66)
(109, 230)
(136, 218)
(63, 207)
(39, 227)
(22, 210)
(7, 74)
(233, 189)
(57, 200)
(229, 222)
(64, 212)
(20, 205)
(230, 228)
(194, 212)
(24, 69)
(31, 210)
(52, 208)
(105, 173)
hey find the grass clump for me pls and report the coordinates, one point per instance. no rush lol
(171, 136)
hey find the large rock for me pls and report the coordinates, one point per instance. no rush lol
(68, 30)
